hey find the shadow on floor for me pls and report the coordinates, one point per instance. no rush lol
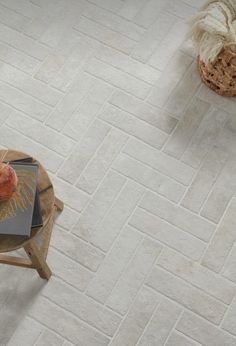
(18, 290)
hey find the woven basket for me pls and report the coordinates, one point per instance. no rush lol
(220, 75)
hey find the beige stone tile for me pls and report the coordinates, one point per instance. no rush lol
(106, 232)
(66, 324)
(205, 179)
(167, 234)
(223, 240)
(204, 137)
(133, 277)
(197, 275)
(178, 216)
(203, 332)
(99, 205)
(158, 160)
(133, 325)
(161, 324)
(187, 295)
(76, 249)
(148, 177)
(186, 127)
(154, 116)
(222, 192)
(133, 126)
(83, 307)
(113, 265)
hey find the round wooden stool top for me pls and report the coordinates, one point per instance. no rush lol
(47, 199)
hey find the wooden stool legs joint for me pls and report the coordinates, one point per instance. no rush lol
(37, 256)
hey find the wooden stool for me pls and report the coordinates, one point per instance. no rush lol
(37, 245)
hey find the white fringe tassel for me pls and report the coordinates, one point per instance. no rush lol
(213, 28)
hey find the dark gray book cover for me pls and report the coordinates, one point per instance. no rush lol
(16, 213)
(37, 220)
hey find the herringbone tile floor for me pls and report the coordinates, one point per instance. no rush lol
(106, 94)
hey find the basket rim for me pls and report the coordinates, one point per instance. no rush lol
(227, 49)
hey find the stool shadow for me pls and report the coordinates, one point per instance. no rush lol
(19, 288)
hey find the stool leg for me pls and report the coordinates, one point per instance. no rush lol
(59, 204)
(38, 260)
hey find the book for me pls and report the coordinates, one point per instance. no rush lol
(37, 220)
(16, 214)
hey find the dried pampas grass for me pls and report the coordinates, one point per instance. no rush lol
(214, 28)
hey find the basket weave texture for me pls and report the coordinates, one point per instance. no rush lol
(221, 74)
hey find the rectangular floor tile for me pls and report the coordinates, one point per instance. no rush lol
(47, 157)
(106, 232)
(69, 270)
(13, 19)
(127, 64)
(178, 216)
(186, 127)
(133, 325)
(153, 35)
(152, 115)
(204, 137)
(161, 324)
(23, 43)
(114, 22)
(222, 241)
(27, 332)
(197, 275)
(167, 234)
(41, 133)
(85, 113)
(29, 85)
(83, 307)
(222, 103)
(99, 205)
(130, 8)
(203, 332)
(23, 102)
(149, 12)
(168, 46)
(133, 126)
(205, 179)
(229, 270)
(76, 249)
(72, 65)
(148, 177)
(18, 59)
(49, 338)
(69, 102)
(133, 277)
(73, 197)
(83, 152)
(118, 78)
(66, 324)
(171, 76)
(229, 321)
(163, 163)
(113, 265)
(187, 295)
(183, 93)
(222, 192)
(177, 339)
(101, 162)
(105, 35)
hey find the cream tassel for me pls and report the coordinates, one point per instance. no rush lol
(213, 28)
